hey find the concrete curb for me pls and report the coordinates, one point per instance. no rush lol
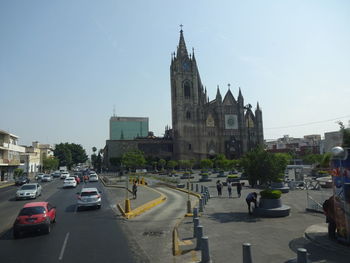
(113, 185)
(143, 208)
(6, 185)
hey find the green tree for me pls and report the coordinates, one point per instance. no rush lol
(78, 153)
(171, 164)
(18, 172)
(206, 163)
(312, 159)
(220, 161)
(326, 160)
(50, 163)
(63, 154)
(162, 163)
(133, 159)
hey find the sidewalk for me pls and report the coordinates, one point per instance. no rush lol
(6, 183)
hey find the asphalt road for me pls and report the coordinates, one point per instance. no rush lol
(91, 235)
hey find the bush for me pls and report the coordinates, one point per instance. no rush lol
(204, 174)
(232, 176)
(270, 194)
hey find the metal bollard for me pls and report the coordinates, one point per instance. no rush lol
(191, 186)
(202, 189)
(199, 236)
(247, 256)
(195, 224)
(197, 188)
(204, 197)
(205, 250)
(201, 205)
(302, 255)
(195, 212)
(188, 185)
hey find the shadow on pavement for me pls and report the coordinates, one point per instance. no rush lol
(70, 208)
(6, 235)
(317, 253)
(233, 217)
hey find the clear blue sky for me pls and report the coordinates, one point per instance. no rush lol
(64, 64)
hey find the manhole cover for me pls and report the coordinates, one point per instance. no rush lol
(153, 233)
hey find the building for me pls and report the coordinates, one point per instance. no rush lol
(204, 128)
(31, 160)
(332, 139)
(127, 128)
(10, 153)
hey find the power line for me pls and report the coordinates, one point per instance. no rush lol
(308, 123)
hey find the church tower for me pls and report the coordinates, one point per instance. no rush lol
(187, 96)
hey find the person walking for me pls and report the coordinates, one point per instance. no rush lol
(229, 189)
(251, 198)
(328, 208)
(219, 188)
(239, 189)
(134, 190)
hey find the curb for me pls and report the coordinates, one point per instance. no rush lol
(6, 185)
(143, 208)
(113, 185)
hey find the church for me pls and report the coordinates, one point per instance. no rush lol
(202, 128)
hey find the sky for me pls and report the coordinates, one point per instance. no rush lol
(66, 65)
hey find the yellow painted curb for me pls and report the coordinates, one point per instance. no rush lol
(145, 207)
(6, 185)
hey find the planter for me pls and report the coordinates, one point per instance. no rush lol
(204, 178)
(272, 208)
(221, 174)
(279, 186)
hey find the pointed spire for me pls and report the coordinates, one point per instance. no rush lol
(240, 93)
(218, 95)
(181, 49)
(257, 106)
(193, 57)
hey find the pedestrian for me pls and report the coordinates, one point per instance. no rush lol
(219, 188)
(134, 190)
(239, 189)
(328, 208)
(251, 198)
(229, 189)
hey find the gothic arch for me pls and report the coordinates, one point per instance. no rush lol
(187, 89)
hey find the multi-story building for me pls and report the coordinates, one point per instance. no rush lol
(46, 150)
(30, 160)
(10, 153)
(127, 128)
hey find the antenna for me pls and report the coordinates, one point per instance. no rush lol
(114, 110)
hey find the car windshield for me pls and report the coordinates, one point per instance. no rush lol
(89, 193)
(47, 175)
(28, 187)
(35, 210)
(70, 179)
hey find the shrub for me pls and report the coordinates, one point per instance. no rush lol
(204, 174)
(232, 176)
(270, 194)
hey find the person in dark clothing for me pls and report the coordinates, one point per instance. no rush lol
(328, 208)
(239, 189)
(229, 189)
(134, 190)
(219, 187)
(251, 198)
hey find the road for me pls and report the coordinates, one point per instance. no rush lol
(91, 235)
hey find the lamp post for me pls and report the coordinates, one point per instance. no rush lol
(340, 154)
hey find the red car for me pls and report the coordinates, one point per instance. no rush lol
(34, 216)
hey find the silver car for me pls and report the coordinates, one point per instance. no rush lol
(28, 191)
(46, 178)
(89, 197)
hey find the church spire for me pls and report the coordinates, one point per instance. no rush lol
(181, 49)
(218, 95)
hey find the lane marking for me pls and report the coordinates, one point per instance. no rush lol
(63, 247)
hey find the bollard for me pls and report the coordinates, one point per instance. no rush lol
(201, 205)
(302, 255)
(197, 188)
(195, 212)
(247, 256)
(204, 199)
(205, 250)
(202, 189)
(188, 185)
(195, 224)
(199, 236)
(191, 186)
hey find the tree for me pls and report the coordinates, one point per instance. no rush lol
(162, 163)
(70, 153)
(206, 163)
(18, 172)
(133, 159)
(220, 161)
(50, 163)
(78, 153)
(346, 134)
(171, 164)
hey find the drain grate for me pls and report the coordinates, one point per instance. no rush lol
(153, 233)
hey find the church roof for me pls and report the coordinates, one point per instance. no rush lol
(229, 99)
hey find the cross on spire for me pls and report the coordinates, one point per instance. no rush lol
(181, 25)
(228, 85)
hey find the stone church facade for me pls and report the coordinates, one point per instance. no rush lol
(203, 128)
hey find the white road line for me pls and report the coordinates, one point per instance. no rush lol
(63, 247)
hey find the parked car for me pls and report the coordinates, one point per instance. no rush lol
(70, 182)
(64, 175)
(28, 191)
(22, 180)
(89, 197)
(46, 178)
(93, 178)
(34, 216)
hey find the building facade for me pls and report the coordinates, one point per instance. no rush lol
(10, 153)
(203, 128)
(127, 128)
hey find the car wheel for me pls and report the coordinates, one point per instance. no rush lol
(99, 206)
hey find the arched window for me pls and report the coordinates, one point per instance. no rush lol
(188, 115)
(187, 89)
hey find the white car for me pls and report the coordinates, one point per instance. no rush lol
(93, 178)
(46, 178)
(70, 182)
(28, 191)
(89, 197)
(64, 175)
(39, 176)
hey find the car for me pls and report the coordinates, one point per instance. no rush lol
(28, 191)
(89, 197)
(70, 182)
(64, 175)
(93, 178)
(22, 180)
(56, 174)
(39, 176)
(34, 216)
(46, 178)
